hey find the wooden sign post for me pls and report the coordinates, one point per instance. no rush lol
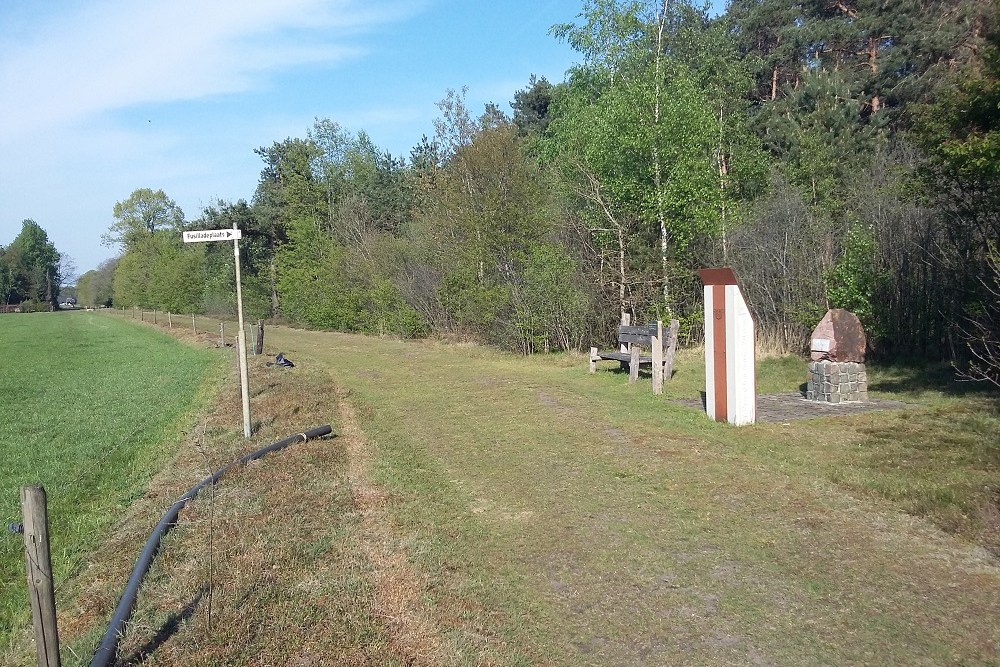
(233, 235)
(730, 350)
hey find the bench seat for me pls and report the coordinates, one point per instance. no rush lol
(624, 357)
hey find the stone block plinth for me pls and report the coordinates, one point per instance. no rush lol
(837, 382)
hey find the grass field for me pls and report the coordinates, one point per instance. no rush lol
(90, 409)
(563, 518)
(478, 508)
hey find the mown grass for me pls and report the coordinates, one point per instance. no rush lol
(563, 518)
(90, 408)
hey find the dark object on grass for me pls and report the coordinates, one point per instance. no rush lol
(105, 655)
(280, 360)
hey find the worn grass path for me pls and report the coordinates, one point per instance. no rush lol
(553, 517)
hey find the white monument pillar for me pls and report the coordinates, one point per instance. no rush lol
(730, 350)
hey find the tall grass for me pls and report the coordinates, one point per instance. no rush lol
(89, 406)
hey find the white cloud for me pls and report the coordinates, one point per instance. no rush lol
(108, 56)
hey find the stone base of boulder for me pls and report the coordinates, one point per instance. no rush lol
(837, 382)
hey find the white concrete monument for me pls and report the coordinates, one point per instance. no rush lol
(730, 350)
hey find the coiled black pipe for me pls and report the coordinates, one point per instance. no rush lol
(108, 647)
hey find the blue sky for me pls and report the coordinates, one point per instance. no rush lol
(101, 98)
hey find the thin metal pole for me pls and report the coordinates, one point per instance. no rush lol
(242, 342)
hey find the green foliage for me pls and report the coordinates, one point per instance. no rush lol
(312, 289)
(160, 271)
(851, 282)
(647, 136)
(385, 312)
(143, 213)
(30, 268)
(531, 106)
(550, 304)
(95, 288)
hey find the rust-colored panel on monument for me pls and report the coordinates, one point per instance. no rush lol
(719, 338)
(719, 276)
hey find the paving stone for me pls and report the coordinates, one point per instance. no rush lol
(793, 406)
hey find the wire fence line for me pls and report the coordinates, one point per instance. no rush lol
(221, 326)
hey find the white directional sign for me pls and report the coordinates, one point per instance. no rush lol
(233, 235)
(212, 235)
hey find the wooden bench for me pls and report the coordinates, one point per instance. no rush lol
(632, 340)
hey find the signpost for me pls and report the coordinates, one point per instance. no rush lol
(233, 235)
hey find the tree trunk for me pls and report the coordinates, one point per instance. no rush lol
(621, 275)
(876, 101)
(657, 167)
(723, 174)
(273, 281)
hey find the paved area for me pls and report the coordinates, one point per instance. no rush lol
(793, 405)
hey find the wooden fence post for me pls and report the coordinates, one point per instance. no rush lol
(222, 334)
(194, 327)
(657, 345)
(259, 343)
(170, 322)
(668, 361)
(39, 570)
(624, 347)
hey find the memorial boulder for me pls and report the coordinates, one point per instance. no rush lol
(839, 337)
(837, 372)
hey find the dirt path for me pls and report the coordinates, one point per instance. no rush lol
(412, 632)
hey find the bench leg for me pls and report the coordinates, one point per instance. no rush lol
(633, 367)
(593, 359)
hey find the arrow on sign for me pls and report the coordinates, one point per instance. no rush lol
(212, 235)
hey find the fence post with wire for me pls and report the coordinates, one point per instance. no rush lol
(38, 564)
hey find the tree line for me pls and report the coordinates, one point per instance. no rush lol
(836, 154)
(31, 270)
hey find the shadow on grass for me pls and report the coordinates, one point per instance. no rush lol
(166, 631)
(644, 373)
(919, 378)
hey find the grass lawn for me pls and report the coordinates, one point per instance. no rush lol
(482, 508)
(556, 517)
(91, 407)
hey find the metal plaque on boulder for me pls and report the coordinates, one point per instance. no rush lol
(838, 337)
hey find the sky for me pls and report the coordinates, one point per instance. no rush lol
(100, 98)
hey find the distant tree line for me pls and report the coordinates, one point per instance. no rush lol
(836, 154)
(31, 270)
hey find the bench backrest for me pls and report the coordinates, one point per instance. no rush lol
(639, 335)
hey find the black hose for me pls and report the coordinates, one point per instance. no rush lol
(108, 647)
